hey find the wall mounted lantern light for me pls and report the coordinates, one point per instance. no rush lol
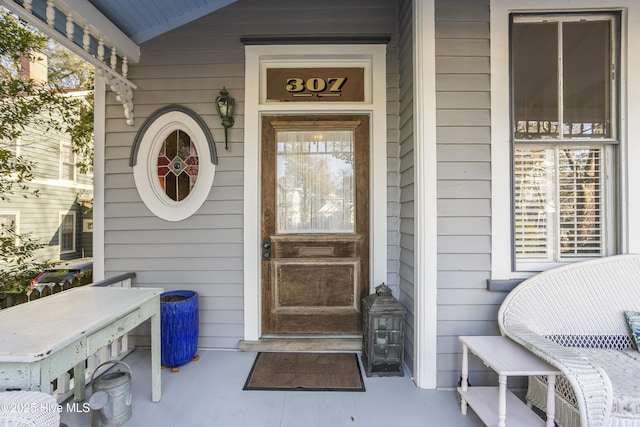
(225, 105)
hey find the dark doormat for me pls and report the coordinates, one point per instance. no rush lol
(305, 371)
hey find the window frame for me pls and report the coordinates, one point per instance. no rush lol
(13, 146)
(577, 16)
(144, 160)
(16, 221)
(607, 144)
(64, 162)
(503, 277)
(63, 216)
(608, 206)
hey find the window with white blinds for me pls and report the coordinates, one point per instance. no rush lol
(560, 204)
(564, 136)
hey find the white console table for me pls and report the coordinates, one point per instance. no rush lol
(42, 339)
(497, 406)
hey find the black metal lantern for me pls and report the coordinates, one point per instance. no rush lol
(383, 334)
(225, 105)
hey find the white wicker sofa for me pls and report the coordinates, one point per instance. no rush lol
(573, 317)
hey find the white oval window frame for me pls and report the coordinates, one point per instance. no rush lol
(145, 172)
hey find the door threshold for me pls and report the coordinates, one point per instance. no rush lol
(303, 343)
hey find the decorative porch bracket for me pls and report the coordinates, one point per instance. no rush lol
(123, 89)
(81, 28)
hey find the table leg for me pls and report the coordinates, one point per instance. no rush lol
(502, 400)
(39, 376)
(79, 382)
(465, 376)
(551, 400)
(156, 386)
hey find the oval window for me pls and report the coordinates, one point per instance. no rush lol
(177, 163)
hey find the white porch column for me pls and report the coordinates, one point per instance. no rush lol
(99, 137)
(426, 256)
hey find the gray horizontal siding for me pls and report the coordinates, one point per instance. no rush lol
(462, 279)
(188, 66)
(463, 117)
(39, 216)
(406, 184)
(393, 176)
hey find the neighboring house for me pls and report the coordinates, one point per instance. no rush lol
(490, 139)
(61, 215)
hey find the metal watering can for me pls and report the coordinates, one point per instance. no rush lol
(111, 398)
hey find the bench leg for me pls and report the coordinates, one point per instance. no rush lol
(551, 400)
(502, 400)
(464, 379)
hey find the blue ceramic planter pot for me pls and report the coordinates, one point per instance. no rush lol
(179, 327)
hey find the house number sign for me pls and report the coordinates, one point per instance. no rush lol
(315, 84)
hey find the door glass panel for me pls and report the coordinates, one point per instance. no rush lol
(315, 181)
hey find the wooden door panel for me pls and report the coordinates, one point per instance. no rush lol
(301, 246)
(304, 285)
(308, 324)
(313, 282)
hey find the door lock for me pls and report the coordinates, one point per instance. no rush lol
(266, 249)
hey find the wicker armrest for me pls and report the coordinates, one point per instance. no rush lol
(580, 304)
(591, 385)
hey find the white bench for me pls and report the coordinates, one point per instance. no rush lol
(573, 318)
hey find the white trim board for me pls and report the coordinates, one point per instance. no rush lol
(426, 214)
(313, 55)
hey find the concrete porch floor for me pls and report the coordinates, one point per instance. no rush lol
(209, 393)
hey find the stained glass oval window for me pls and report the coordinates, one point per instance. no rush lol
(178, 162)
(178, 165)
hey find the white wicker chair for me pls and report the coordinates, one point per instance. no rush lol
(28, 409)
(561, 315)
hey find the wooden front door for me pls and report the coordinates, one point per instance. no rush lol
(315, 223)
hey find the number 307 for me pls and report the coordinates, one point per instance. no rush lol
(316, 84)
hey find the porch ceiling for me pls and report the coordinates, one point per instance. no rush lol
(143, 20)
